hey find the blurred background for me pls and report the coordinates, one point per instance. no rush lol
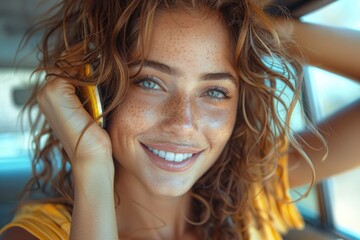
(332, 211)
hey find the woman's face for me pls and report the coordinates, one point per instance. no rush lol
(180, 110)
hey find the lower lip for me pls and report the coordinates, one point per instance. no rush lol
(171, 166)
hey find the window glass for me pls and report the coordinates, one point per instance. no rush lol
(14, 144)
(309, 206)
(15, 165)
(13, 92)
(332, 92)
(345, 197)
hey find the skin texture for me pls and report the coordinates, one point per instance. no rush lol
(184, 111)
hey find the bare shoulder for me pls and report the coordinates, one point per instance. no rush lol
(17, 233)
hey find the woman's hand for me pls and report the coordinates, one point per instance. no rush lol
(67, 117)
(91, 160)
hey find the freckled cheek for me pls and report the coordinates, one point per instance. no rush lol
(133, 116)
(218, 125)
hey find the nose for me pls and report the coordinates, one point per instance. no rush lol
(180, 114)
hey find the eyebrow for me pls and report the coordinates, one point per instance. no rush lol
(219, 76)
(174, 71)
(157, 66)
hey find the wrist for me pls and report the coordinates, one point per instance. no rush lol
(95, 173)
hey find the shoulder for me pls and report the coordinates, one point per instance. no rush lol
(39, 221)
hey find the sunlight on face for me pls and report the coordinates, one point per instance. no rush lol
(180, 109)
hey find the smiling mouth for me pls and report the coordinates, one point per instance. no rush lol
(171, 156)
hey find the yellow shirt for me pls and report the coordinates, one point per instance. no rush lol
(277, 213)
(44, 221)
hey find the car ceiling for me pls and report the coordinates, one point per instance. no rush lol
(17, 16)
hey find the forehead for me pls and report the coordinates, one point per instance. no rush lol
(182, 30)
(184, 19)
(192, 37)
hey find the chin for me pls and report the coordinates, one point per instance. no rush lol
(170, 188)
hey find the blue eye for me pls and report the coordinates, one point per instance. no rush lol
(217, 93)
(149, 83)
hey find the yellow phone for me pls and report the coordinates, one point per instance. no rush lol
(91, 97)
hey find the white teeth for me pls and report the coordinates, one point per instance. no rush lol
(170, 156)
(160, 154)
(179, 157)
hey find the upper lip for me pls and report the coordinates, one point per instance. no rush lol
(173, 147)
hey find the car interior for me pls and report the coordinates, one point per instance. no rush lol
(322, 212)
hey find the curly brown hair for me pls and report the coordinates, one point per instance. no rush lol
(105, 33)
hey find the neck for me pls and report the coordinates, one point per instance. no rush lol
(144, 215)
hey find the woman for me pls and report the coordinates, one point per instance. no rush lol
(193, 135)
